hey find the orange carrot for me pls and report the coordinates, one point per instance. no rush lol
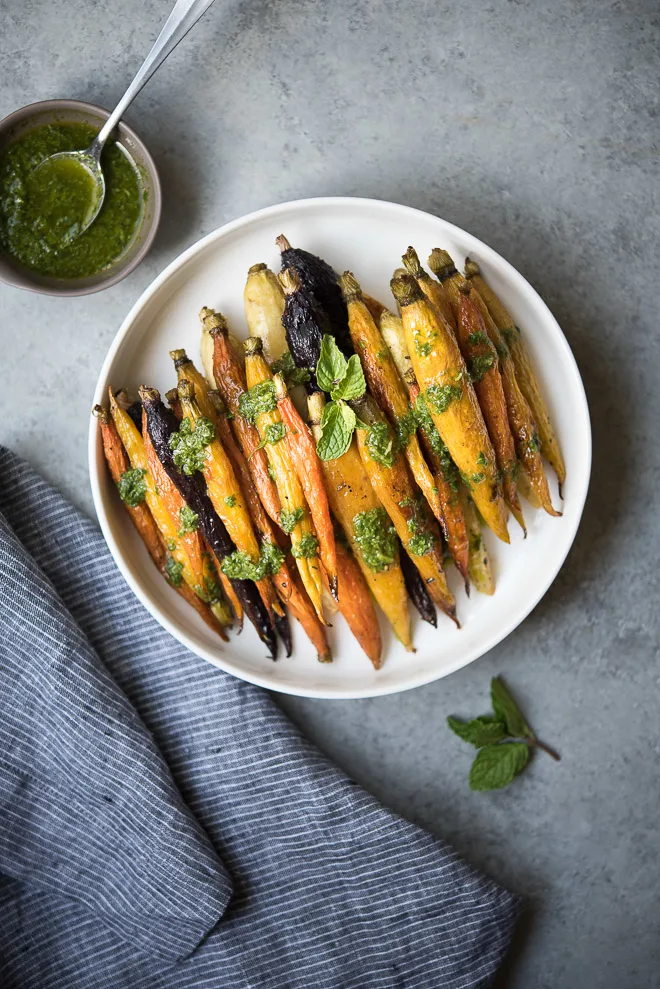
(230, 378)
(302, 450)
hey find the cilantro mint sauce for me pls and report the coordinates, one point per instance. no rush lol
(42, 208)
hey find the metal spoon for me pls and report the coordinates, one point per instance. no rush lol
(184, 15)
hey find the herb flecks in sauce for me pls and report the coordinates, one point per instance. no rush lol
(441, 396)
(307, 547)
(289, 520)
(174, 571)
(132, 487)
(36, 208)
(376, 537)
(189, 520)
(380, 444)
(258, 400)
(239, 566)
(189, 444)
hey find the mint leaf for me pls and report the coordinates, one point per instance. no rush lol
(352, 385)
(337, 425)
(480, 731)
(497, 765)
(508, 711)
(331, 366)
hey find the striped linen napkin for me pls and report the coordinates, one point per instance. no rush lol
(163, 824)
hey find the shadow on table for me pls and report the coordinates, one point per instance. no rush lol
(507, 970)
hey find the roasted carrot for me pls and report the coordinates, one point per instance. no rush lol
(229, 375)
(526, 490)
(206, 578)
(263, 300)
(172, 397)
(525, 374)
(451, 399)
(165, 433)
(416, 590)
(446, 478)
(387, 387)
(521, 420)
(387, 471)
(366, 526)
(302, 451)
(119, 467)
(481, 571)
(260, 404)
(481, 358)
(222, 484)
(179, 565)
(185, 368)
(356, 605)
(375, 307)
(431, 287)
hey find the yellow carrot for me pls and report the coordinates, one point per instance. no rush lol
(387, 387)
(193, 567)
(451, 399)
(431, 287)
(521, 420)
(302, 451)
(223, 487)
(261, 405)
(525, 373)
(367, 528)
(394, 487)
(229, 375)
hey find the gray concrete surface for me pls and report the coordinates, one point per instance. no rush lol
(535, 127)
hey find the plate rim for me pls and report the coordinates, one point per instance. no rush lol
(336, 692)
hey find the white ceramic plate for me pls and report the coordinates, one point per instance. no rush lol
(367, 237)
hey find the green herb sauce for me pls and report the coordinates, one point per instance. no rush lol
(289, 520)
(380, 444)
(189, 520)
(376, 537)
(293, 375)
(421, 543)
(534, 443)
(258, 400)
(41, 209)
(441, 396)
(481, 365)
(405, 427)
(477, 338)
(132, 487)
(189, 444)
(174, 571)
(274, 432)
(308, 546)
(436, 443)
(230, 501)
(239, 566)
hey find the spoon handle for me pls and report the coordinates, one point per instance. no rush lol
(184, 15)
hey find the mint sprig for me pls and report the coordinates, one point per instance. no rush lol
(504, 740)
(343, 380)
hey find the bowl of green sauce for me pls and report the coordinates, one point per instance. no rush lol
(39, 207)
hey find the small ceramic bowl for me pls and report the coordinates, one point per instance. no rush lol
(74, 111)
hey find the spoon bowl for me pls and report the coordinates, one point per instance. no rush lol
(82, 172)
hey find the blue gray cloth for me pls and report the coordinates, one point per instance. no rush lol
(163, 824)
